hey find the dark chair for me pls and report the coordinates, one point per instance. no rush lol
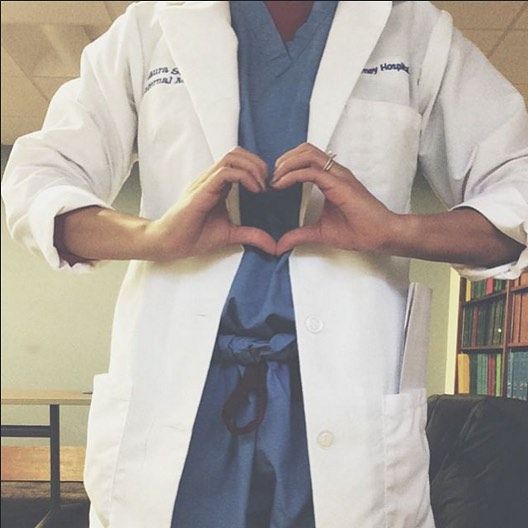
(479, 461)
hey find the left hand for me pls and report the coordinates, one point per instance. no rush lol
(352, 218)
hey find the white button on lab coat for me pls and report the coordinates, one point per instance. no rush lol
(314, 324)
(325, 438)
(394, 95)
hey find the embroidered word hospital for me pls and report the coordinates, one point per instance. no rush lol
(386, 66)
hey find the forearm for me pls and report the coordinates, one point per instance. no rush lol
(461, 236)
(96, 233)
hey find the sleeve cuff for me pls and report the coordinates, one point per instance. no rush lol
(44, 208)
(507, 211)
(509, 271)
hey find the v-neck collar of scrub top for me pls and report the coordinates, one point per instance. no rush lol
(266, 36)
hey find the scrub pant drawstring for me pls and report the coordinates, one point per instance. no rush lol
(254, 378)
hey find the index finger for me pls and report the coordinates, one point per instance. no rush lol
(299, 149)
(254, 158)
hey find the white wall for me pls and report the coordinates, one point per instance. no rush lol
(56, 326)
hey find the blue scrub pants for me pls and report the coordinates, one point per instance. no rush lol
(257, 479)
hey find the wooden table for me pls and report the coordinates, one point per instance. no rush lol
(54, 399)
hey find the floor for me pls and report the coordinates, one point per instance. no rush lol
(25, 503)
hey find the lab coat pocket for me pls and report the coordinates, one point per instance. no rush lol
(407, 498)
(378, 141)
(407, 501)
(106, 421)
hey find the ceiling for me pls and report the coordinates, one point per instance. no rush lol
(42, 42)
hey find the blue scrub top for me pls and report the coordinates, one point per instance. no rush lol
(261, 478)
(276, 81)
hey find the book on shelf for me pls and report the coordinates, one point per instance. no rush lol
(479, 373)
(521, 281)
(498, 377)
(482, 324)
(517, 384)
(519, 332)
(463, 373)
(477, 289)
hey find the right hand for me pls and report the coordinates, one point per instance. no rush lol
(198, 223)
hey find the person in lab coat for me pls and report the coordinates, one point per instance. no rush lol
(396, 91)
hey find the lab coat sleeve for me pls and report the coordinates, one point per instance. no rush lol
(474, 149)
(85, 150)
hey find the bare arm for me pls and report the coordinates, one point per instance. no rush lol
(98, 233)
(461, 236)
(196, 224)
(354, 219)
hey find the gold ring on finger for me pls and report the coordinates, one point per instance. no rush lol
(330, 161)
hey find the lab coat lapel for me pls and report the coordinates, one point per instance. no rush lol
(353, 35)
(203, 46)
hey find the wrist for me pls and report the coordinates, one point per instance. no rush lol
(401, 231)
(149, 240)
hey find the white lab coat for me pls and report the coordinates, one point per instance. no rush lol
(362, 332)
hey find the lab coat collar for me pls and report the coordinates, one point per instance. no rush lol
(204, 47)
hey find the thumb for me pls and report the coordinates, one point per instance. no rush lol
(295, 237)
(254, 237)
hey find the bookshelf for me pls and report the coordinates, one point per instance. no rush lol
(492, 338)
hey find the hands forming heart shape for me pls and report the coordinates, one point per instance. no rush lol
(352, 218)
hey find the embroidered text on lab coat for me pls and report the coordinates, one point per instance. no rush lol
(163, 75)
(386, 66)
